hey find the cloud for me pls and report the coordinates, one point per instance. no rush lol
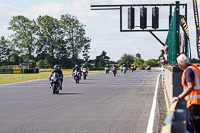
(103, 26)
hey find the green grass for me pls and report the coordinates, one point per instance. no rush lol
(12, 78)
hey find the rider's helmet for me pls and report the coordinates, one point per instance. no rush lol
(123, 64)
(113, 64)
(56, 67)
(76, 65)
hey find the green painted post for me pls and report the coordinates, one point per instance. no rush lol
(120, 18)
(170, 14)
(177, 30)
(186, 41)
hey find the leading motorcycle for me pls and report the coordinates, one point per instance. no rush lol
(55, 83)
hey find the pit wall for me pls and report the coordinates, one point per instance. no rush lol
(172, 83)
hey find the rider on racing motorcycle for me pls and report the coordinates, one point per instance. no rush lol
(59, 71)
(84, 66)
(114, 68)
(77, 68)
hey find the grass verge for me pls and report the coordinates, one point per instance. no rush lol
(12, 78)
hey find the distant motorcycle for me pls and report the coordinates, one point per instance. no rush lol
(132, 68)
(124, 70)
(142, 68)
(84, 73)
(77, 76)
(55, 83)
(114, 71)
(149, 68)
(107, 70)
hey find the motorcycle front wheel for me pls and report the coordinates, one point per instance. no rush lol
(54, 86)
(76, 79)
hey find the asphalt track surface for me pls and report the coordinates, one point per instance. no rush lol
(101, 104)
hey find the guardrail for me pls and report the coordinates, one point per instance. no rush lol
(175, 121)
(17, 71)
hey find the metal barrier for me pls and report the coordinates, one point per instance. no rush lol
(17, 71)
(6, 71)
(175, 121)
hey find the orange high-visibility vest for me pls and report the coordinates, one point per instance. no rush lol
(194, 96)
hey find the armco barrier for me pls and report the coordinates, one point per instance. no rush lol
(17, 71)
(175, 121)
(30, 71)
(6, 71)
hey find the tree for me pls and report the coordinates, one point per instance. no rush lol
(137, 56)
(139, 62)
(102, 60)
(5, 51)
(74, 35)
(50, 38)
(127, 59)
(86, 52)
(24, 34)
(152, 62)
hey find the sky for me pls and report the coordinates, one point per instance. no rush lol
(102, 27)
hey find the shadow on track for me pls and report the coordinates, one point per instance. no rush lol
(69, 93)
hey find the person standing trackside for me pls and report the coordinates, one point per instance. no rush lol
(191, 90)
(164, 60)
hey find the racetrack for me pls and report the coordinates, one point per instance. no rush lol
(101, 104)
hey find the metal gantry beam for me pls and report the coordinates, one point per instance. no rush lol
(119, 7)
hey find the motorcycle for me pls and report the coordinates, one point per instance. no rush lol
(124, 70)
(55, 83)
(84, 73)
(114, 71)
(132, 68)
(107, 70)
(77, 76)
(149, 68)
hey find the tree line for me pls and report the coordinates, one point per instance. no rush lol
(128, 59)
(45, 42)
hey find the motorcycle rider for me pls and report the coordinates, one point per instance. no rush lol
(84, 66)
(59, 71)
(114, 68)
(77, 68)
(124, 67)
(107, 68)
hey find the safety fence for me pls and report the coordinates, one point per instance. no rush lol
(175, 121)
(17, 71)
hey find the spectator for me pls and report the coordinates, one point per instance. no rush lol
(191, 90)
(161, 57)
(164, 60)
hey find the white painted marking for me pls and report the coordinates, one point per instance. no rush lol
(153, 108)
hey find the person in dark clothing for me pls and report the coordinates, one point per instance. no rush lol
(77, 68)
(84, 66)
(57, 69)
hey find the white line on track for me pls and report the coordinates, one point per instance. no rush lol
(153, 108)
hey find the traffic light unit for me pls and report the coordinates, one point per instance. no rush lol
(131, 18)
(155, 17)
(143, 18)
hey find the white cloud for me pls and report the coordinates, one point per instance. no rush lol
(103, 26)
